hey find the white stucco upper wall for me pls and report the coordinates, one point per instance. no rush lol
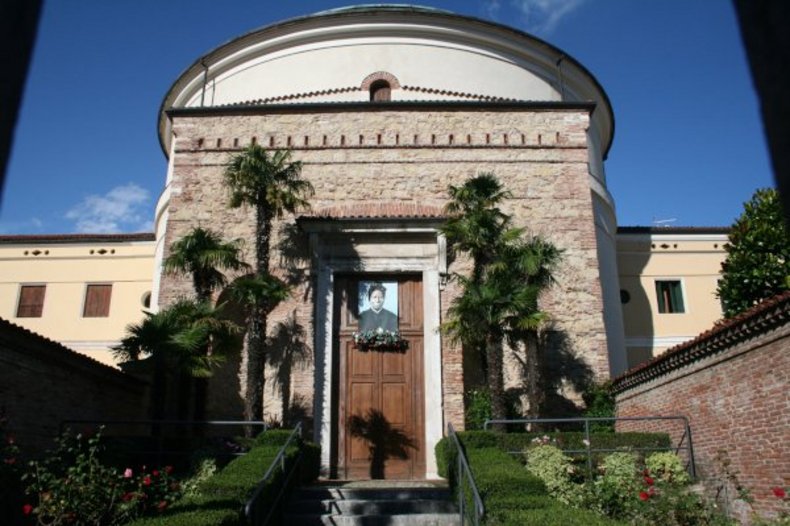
(345, 63)
(434, 55)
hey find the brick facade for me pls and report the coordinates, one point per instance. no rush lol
(732, 384)
(406, 156)
(43, 383)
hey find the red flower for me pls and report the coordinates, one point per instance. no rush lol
(10, 461)
(27, 509)
(779, 493)
(649, 481)
(168, 469)
(146, 481)
(162, 505)
(155, 473)
(643, 496)
(127, 496)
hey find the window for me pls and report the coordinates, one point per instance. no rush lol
(380, 91)
(670, 297)
(31, 301)
(97, 301)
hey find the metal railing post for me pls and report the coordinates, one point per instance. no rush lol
(692, 464)
(587, 443)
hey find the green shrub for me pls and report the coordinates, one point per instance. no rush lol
(478, 408)
(220, 499)
(667, 467)
(556, 470)
(71, 485)
(551, 516)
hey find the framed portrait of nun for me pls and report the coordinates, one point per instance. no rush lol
(378, 305)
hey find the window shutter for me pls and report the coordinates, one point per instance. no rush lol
(31, 301)
(97, 301)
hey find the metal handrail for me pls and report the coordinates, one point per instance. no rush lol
(692, 467)
(465, 471)
(277, 462)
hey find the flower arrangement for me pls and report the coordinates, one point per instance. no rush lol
(380, 340)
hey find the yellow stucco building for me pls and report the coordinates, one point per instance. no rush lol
(83, 290)
(79, 290)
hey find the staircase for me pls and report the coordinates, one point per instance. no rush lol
(372, 503)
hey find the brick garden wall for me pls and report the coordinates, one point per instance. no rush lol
(732, 383)
(43, 383)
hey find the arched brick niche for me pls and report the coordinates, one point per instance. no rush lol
(380, 85)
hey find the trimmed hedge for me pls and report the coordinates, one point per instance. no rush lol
(221, 498)
(511, 495)
(565, 440)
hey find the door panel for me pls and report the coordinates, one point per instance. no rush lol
(381, 395)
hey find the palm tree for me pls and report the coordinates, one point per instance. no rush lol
(475, 223)
(173, 338)
(270, 183)
(202, 254)
(499, 300)
(258, 295)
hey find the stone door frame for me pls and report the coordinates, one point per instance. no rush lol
(339, 247)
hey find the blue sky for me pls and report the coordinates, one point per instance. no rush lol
(688, 146)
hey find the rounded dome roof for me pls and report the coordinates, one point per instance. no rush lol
(430, 54)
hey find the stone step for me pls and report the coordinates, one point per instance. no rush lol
(372, 503)
(371, 506)
(352, 493)
(427, 519)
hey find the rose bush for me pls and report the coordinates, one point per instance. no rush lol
(71, 485)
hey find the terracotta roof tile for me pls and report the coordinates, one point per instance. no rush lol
(765, 316)
(75, 238)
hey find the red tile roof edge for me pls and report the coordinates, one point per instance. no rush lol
(767, 315)
(71, 238)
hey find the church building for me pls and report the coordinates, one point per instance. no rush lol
(387, 106)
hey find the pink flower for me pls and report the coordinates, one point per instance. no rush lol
(146, 481)
(643, 496)
(779, 493)
(162, 505)
(155, 473)
(27, 509)
(168, 469)
(128, 473)
(649, 481)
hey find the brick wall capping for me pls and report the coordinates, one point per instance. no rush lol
(365, 106)
(51, 239)
(53, 352)
(766, 316)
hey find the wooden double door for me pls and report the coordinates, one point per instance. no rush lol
(380, 414)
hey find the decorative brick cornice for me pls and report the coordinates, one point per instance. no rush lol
(290, 96)
(75, 238)
(377, 210)
(760, 319)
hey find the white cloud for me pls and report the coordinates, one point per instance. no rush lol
(122, 209)
(491, 8)
(542, 16)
